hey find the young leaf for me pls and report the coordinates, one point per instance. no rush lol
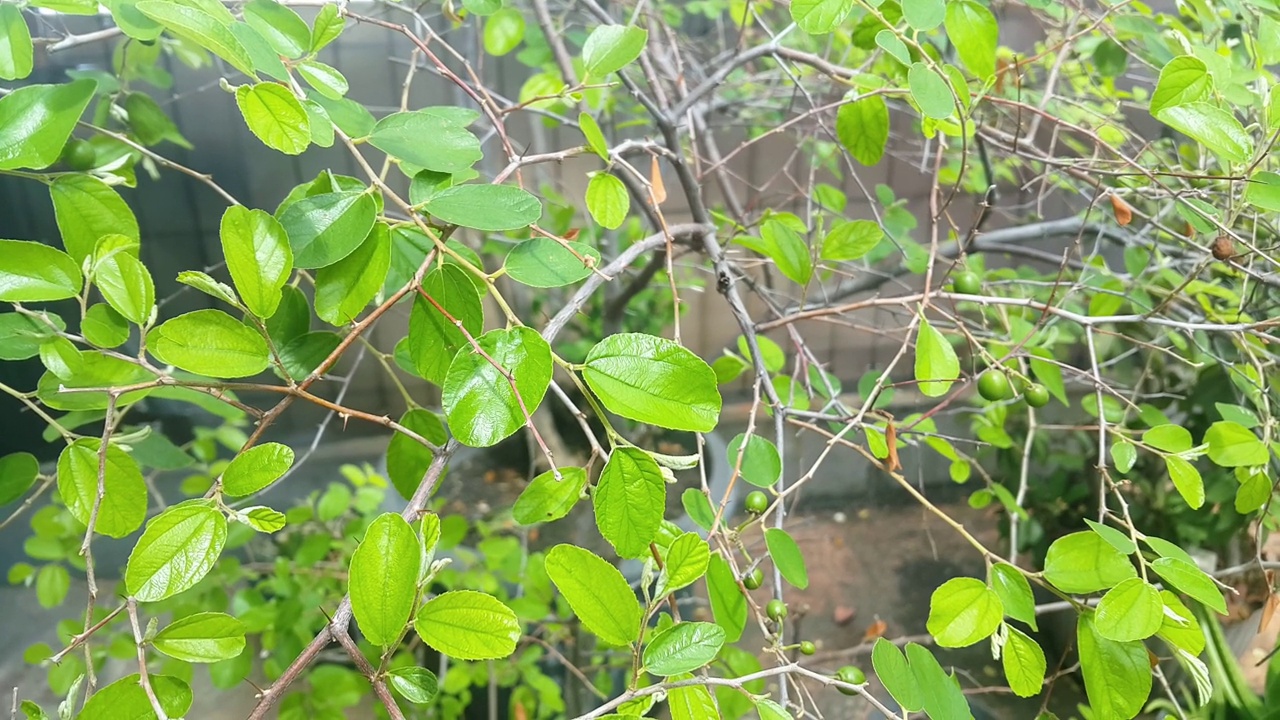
(211, 343)
(1014, 591)
(686, 561)
(125, 698)
(936, 363)
(629, 500)
(653, 380)
(178, 548)
(345, 288)
(1179, 626)
(1191, 580)
(545, 263)
(1117, 675)
(1210, 125)
(819, 17)
(930, 91)
(325, 228)
(598, 594)
(415, 684)
(963, 611)
(481, 407)
(939, 692)
(204, 637)
(924, 14)
(547, 498)
(691, 702)
(683, 647)
(325, 79)
(434, 337)
(1232, 445)
(1183, 80)
(468, 625)
(258, 257)
(36, 120)
(427, 140)
(256, 468)
(280, 26)
(53, 582)
(124, 504)
(17, 56)
(594, 137)
(200, 24)
(503, 32)
(896, 676)
(275, 116)
(1168, 438)
(264, 519)
(1114, 537)
(1083, 562)
(326, 28)
(127, 287)
(973, 30)
(495, 208)
(1131, 610)
(760, 463)
(383, 582)
(32, 272)
(609, 48)
(851, 240)
(607, 200)
(698, 508)
(1024, 664)
(1187, 480)
(728, 604)
(787, 557)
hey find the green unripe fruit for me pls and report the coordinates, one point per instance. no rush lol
(757, 502)
(853, 676)
(79, 154)
(967, 283)
(776, 610)
(1036, 395)
(993, 385)
(808, 648)
(753, 579)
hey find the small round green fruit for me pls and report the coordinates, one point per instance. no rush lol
(776, 610)
(757, 502)
(993, 385)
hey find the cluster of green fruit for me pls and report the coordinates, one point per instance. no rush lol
(993, 384)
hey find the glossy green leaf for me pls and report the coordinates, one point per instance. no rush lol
(1187, 480)
(280, 26)
(503, 32)
(127, 287)
(1131, 610)
(17, 56)
(202, 25)
(1183, 80)
(728, 604)
(974, 31)
(686, 561)
(653, 380)
(930, 91)
(383, 582)
(629, 500)
(1024, 664)
(597, 592)
(430, 141)
(345, 288)
(819, 17)
(608, 200)
(124, 501)
(758, 463)
(895, 674)
(468, 625)
(1215, 128)
(1233, 445)
(495, 208)
(407, 459)
(125, 698)
(683, 647)
(547, 498)
(36, 120)
(1189, 579)
(691, 702)
(479, 402)
(325, 228)
(202, 638)
(936, 363)
(211, 343)
(1083, 562)
(275, 116)
(963, 611)
(545, 263)
(594, 137)
(787, 557)
(32, 272)
(1014, 591)
(609, 48)
(177, 549)
(924, 14)
(256, 468)
(87, 210)
(940, 693)
(415, 684)
(1117, 675)
(434, 338)
(325, 79)
(258, 257)
(18, 472)
(327, 27)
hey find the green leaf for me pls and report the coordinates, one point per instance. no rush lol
(545, 263)
(407, 459)
(1189, 579)
(940, 692)
(303, 354)
(594, 137)
(629, 500)
(609, 48)
(258, 257)
(1233, 445)
(851, 240)
(1213, 127)
(788, 251)
(256, 468)
(124, 501)
(415, 684)
(150, 123)
(819, 17)
(930, 90)
(1123, 456)
(1024, 664)
(1168, 438)
(495, 208)
(924, 14)
(698, 508)
(275, 116)
(1131, 610)
(325, 79)
(1117, 675)
(36, 120)
(125, 698)
(32, 272)
(18, 472)
(787, 557)
(468, 625)
(1164, 548)
(728, 604)
(597, 593)
(760, 463)
(547, 498)
(1187, 480)
(683, 647)
(434, 338)
(88, 210)
(1014, 591)
(936, 363)
(211, 343)
(892, 44)
(1049, 374)
(202, 638)
(17, 56)
(199, 23)
(345, 288)
(607, 200)
(1083, 562)
(325, 228)
(691, 702)
(478, 399)
(1114, 537)
(326, 28)
(1254, 492)
(503, 32)
(21, 336)
(1178, 625)
(686, 561)
(963, 611)
(1263, 191)
(263, 519)
(281, 27)
(178, 548)
(895, 674)
(653, 380)
(127, 287)
(383, 582)
(431, 140)
(975, 33)
(1183, 80)
(53, 582)
(770, 710)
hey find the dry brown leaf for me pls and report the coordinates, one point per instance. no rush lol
(891, 442)
(875, 631)
(655, 181)
(1122, 210)
(572, 234)
(1269, 611)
